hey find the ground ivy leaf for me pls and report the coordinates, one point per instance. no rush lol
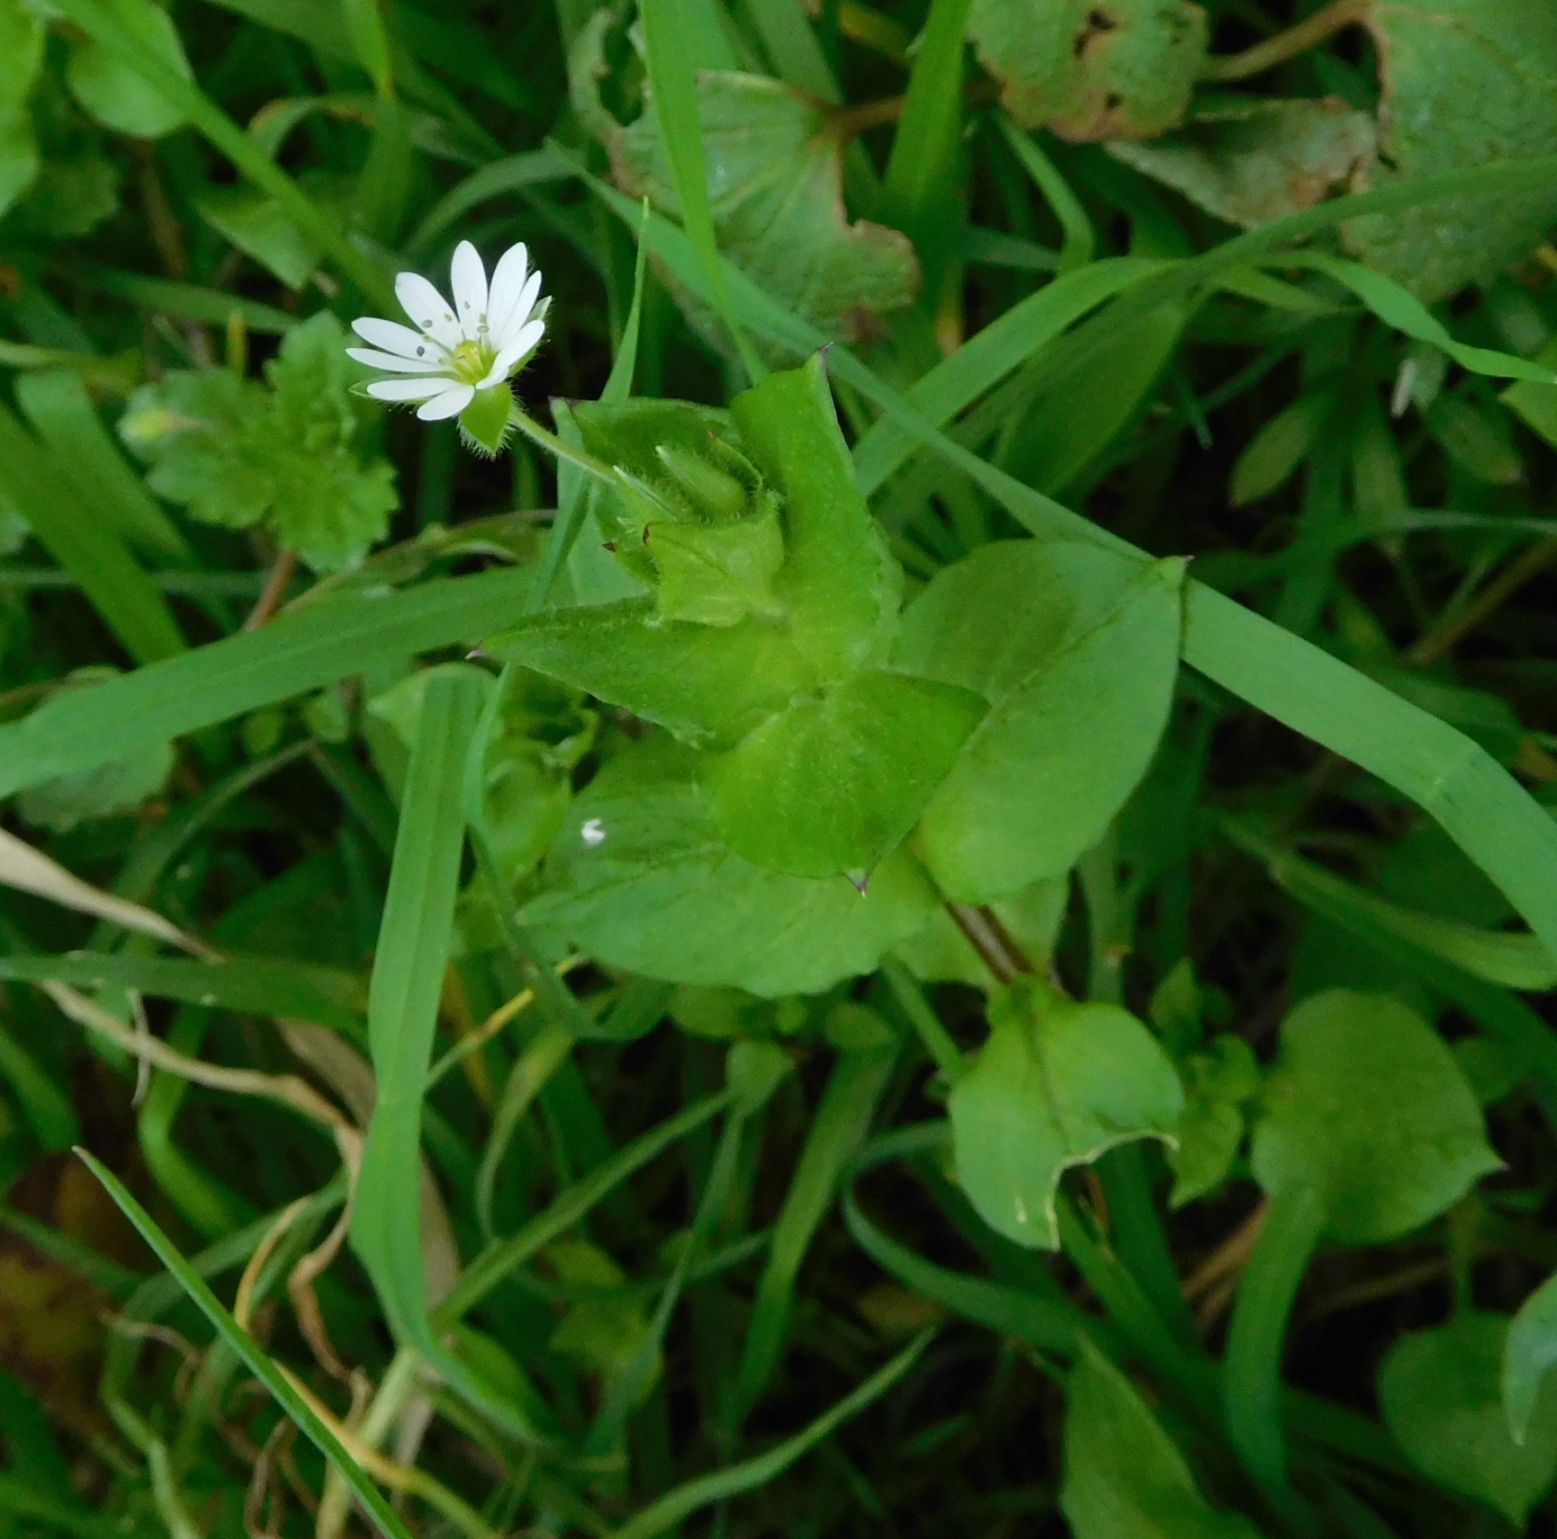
(834, 782)
(1467, 82)
(775, 191)
(1076, 648)
(1250, 162)
(1384, 1164)
(1529, 1356)
(1092, 69)
(639, 879)
(1124, 1476)
(1056, 1085)
(1439, 1392)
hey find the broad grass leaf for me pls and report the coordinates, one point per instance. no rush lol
(640, 879)
(1076, 649)
(1529, 1355)
(1120, 69)
(1384, 1163)
(1467, 82)
(1124, 1476)
(1439, 1392)
(1056, 1085)
(1253, 161)
(775, 185)
(834, 782)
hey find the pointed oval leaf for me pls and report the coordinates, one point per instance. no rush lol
(1529, 1356)
(1439, 1392)
(640, 879)
(1057, 1084)
(1076, 648)
(834, 782)
(1385, 1163)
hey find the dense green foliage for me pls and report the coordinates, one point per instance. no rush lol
(900, 888)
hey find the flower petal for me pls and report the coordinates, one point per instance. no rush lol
(468, 279)
(428, 309)
(393, 363)
(504, 364)
(451, 403)
(392, 337)
(507, 279)
(519, 314)
(407, 389)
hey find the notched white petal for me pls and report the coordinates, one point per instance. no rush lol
(507, 280)
(392, 337)
(407, 389)
(527, 338)
(450, 404)
(468, 279)
(394, 363)
(428, 309)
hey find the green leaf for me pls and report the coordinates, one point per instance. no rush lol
(708, 685)
(775, 193)
(1383, 1164)
(113, 91)
(254, 223)
(1255, 160)
(1076, 648)
(121, 785)
(1123, 69)
(1467, 82)
(1280, 445)
(236, 454)
(1124, 1476)
(1219, 1081)
(639, 878)
(1057, 1084)
(833, 783)
(1438, 1390)
(1529, 1355)
(839, 585)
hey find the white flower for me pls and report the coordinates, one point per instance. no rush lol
(476, 343)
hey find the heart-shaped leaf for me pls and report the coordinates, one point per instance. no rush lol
(1384, 1164)
(1057, 1084)
(1076, 648)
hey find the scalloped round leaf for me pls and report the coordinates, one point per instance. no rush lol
(834, 782)
(639, 879)
(1076, 648)
(1467, 83)
(1124, 1476)
(1439, 1393)
(1383, 1164)
(1056, 1085)
(1253, 161)
(775, 185)
(1092, 69)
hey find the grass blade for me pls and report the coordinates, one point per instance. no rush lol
(258, 1361)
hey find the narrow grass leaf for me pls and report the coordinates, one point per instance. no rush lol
(258, 1361)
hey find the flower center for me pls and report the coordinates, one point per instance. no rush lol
(471, 361)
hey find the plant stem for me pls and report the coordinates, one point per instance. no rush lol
(1251, 1380)
(1286, 45)
(277, 581)
(546, 439)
